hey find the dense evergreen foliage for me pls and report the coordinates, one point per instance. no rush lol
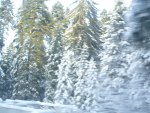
(95, 60)
(84, 28)
(6, 15)
(82, 34)
(139, 63)
(32, 27)
(55, 50)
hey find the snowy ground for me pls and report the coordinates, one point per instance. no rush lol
(19, 106)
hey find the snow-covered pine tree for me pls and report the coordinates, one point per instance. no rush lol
(21, 72)
(7, 68)
(55, 49)
(32, 27)
(104, 20)
(91, 103)
(113, 77)
(6, 12)
(83, 30)
(139, 59)
(114, 28)
(86, 87)
(82, 64)
(66, 79)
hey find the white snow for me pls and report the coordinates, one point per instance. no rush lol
(20, 106)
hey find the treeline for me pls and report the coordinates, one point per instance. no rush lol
(78, 56)
(56, 56)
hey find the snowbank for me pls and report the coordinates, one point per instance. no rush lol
(20, 106)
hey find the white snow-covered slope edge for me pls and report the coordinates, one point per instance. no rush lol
(20, 106)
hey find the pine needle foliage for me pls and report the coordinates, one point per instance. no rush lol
(84, 27)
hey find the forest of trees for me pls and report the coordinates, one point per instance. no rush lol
(96, 60)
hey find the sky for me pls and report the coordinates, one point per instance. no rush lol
(107, 4)
(102, 4)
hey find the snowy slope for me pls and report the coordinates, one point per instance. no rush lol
(20, 106)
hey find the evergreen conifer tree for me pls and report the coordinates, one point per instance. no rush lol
(80, 95)
(6, 17)
(66, 79)
(84, 28)
(82, 39)
(113, 77)
(86, 87)
(55, 49)
(32, 27)
(7, 68)
(139, 59)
